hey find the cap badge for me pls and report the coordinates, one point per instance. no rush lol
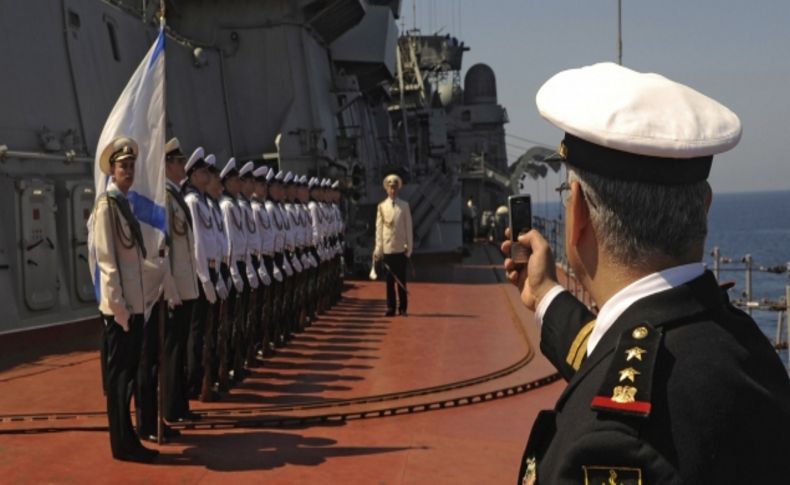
(639, 333)
(562, 151)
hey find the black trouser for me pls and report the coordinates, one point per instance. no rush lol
(224, 328)
(147, 376)
(267, 323)
(397, 267)
(203, 334)
(121, 354)
(177, 333)
(242, 322)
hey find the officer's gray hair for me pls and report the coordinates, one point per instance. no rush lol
(637, 220)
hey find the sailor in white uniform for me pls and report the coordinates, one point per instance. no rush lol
(203, 329)
(219, 371)
(281, 227)
(265, 266)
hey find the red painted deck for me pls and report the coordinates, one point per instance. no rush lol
(355, 373)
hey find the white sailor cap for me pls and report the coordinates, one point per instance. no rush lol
(635, 126)
(261, 172)
(119, 148)
(270, 175)
(313, 182)
(211, 161)
(279, 177)
(246, 170)
(289, 178)
(229, 170)
(303, 180)
(325, 183)
(173, 147)
(196, 160)
(335, 185)
(393, 180)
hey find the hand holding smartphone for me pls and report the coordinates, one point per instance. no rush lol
(520, 211)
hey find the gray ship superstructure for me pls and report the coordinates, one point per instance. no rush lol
(320, 87)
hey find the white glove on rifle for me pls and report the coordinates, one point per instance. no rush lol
(208, 290)
(222, 290)
(276, 272)
(296, 264)
(238, 281)
(287, 267)
(264, 275)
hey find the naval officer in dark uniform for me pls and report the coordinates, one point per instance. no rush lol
(668, 383)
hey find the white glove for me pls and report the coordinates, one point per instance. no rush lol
(238, 282)
(122, 319)
(253, 279)
(296, 264)
(287, 267)
(306, 261)
(264, 275)
(208, 290)
(312, 260)
(171, 293)
(278, 275)
(222, 290)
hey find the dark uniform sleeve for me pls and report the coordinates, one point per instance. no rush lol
(566, 327)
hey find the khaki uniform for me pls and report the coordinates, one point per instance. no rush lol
(394, 228)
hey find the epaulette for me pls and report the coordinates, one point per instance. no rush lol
(628, 383)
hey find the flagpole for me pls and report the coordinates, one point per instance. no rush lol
(160, 422)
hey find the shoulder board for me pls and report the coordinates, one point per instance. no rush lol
(628, 383)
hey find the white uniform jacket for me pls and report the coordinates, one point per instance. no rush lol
(394, 227)
(119, 261)
(182, 247)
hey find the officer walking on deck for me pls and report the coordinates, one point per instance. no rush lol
(668, 383)
(118, 255)
(394, 242)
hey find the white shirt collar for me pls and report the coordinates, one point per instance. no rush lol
(646, 286)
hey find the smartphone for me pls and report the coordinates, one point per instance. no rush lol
(520, 211)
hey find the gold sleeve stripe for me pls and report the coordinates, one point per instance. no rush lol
(581, 354)
(579, 344)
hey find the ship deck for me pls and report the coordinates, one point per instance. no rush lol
(447, 394)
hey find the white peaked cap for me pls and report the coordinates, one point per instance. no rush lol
(312, 182)
(247, 168)
(197, 157)
(289, 177)
(336, 184)
(261, 172)
(172, 145)
(270, 175)
(229, 168)
(210, 159)
(632, 113)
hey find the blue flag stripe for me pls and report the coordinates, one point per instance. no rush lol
(159, 49)
(147, 211)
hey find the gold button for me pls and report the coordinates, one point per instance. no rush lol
(639, 333)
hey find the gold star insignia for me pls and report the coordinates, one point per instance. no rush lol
(629, 373)
(634, 352)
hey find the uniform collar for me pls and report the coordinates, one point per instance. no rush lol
(173, 185)
(649, 285)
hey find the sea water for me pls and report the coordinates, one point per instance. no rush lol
(755, 223)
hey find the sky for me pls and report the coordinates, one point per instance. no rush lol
(735, 51)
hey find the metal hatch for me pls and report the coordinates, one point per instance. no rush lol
(37, 243)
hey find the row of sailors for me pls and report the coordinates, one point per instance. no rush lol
(253, 256)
